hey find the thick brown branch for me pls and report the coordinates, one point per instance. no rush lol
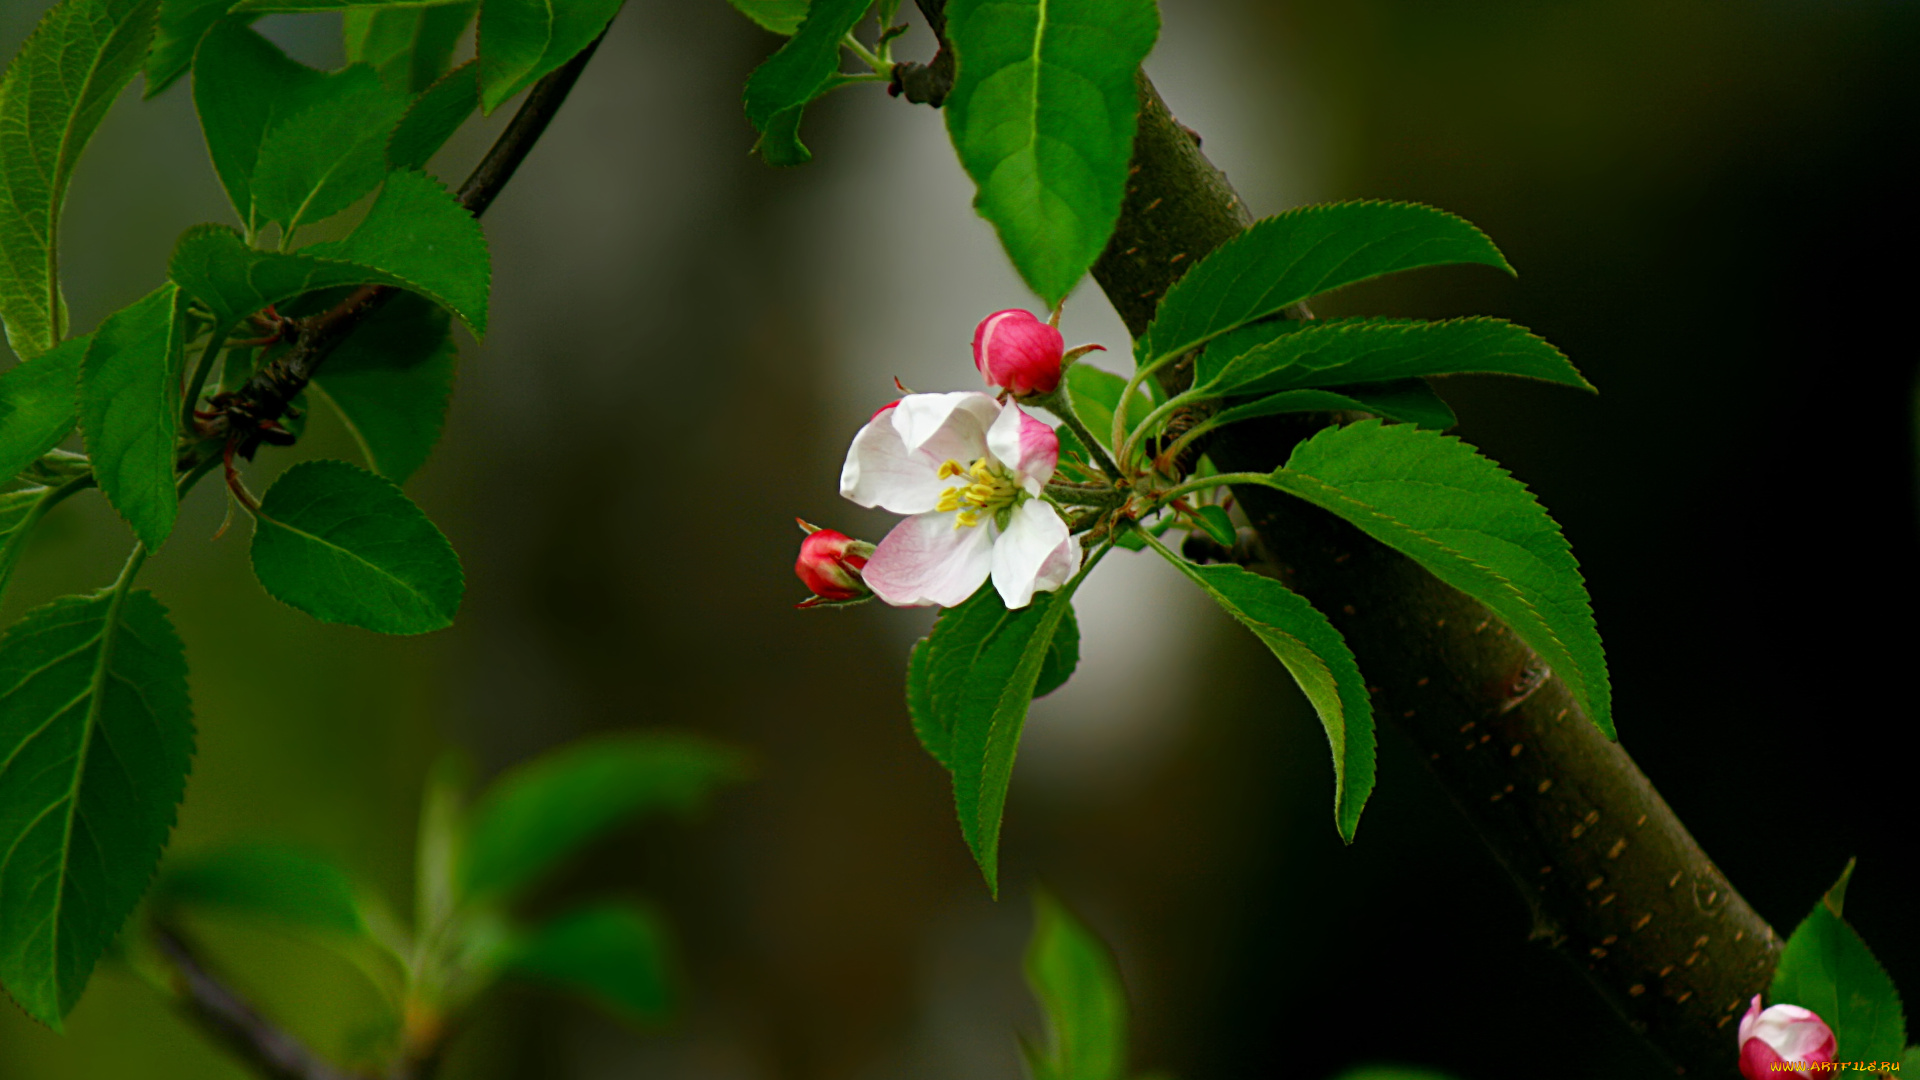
(1614, 881)
(249, 412)
(266, 1049)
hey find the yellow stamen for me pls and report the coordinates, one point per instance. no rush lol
(951, 467)
(991, 492)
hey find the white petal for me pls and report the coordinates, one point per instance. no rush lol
(1025, 445)
(946, 426)
(881, 471)
(925, 560)
(1035, 554)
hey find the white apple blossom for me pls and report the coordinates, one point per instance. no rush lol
(969, 470)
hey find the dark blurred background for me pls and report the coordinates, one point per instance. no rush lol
(1708, 210)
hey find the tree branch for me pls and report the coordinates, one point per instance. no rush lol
(1614, 881)
(244, 414)
(267, 1050)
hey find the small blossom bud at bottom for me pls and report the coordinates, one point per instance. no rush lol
(1784, 1035)
(830, 564)
(1018, 352)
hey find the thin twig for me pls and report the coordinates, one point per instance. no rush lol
(216, 1007)
(243, 415)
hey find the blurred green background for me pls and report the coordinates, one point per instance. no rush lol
(1709, 213)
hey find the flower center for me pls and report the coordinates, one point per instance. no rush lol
(990, 491)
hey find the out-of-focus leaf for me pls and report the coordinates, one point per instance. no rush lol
(522, 40)
(1096, 394)
(617, 955)
(1073, 975)
(391, 381)
(780, 16)
(547, 809)
(1302, 253)
(130, 410)
(321, 159)
(1042, 115)
(803, 69)
(271, 882)
(52, 97)
(346, 546)
(410, 47)
(96, 737)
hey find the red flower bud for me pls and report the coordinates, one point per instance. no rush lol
(830, 564)
(1782, 1041)
(1016, 351)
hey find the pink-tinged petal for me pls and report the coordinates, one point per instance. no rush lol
(1748, 1021)
(1802, 1038)
(881, 471)
(946, 426)
(1025, 445)
(1030, 556)
(1757, 1061)
(925, 560)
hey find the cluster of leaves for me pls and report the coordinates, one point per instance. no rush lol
(475, 863)
(96, 730)
(1827, 968)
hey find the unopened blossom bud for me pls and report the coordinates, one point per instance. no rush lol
(1016, 351)
(1784, 1035)
(830, 565)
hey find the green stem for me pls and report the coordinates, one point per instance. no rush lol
(1060, 403)
(1216, 480)
(201, 370)
(17, 539)
(1120, 414)
(872, 60)
(1159, 413)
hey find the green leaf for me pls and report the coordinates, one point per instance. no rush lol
(415, 237)
(1338, 352)
(540, 813)
(1409, 400)
(1317, 657)
(1827, 968)
(783, 17)
(1063, 656)
(52, 98)
(130, 410)
(1436, 500)
(1283, 260)
(419, 233)
(613, 954)
(1042, 115)
(243, 86)
(983, 665)
(309, 7)
(803, 69)
(96, 737)
(182, 24)
(391, 381)
(19, 511)
(410, 47)
(522, 40)
(435, 115)
(322, 158)
(1096, 394)
(1073, 976)
(346, 546)
(270, 882)
(1216, 523)
(39, 404)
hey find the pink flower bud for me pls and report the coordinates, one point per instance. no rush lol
(1782, 1035)
(830, 565)
(1014, 350)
